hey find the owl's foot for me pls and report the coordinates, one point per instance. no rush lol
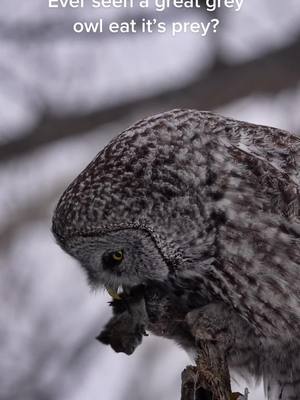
(212, 323)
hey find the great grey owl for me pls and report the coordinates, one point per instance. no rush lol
(207, 209)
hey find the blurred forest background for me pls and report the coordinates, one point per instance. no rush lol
(62, 97)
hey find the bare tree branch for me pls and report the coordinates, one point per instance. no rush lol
(272, 73)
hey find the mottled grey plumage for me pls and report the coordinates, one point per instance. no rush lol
(210, 207)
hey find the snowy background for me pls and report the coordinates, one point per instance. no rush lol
(62, 98)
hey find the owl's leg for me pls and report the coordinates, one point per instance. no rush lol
(215, 322)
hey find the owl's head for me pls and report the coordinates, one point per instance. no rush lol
(118, 258)
(126, 216)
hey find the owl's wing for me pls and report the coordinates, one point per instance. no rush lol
(257, 245)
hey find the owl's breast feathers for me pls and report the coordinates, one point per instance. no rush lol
(220, 189)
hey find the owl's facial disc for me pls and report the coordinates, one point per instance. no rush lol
(120, 258)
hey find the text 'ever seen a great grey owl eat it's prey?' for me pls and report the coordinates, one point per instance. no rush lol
(202, 211)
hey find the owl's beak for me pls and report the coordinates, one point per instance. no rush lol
(113, 292)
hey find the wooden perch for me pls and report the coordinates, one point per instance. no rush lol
(209, 379)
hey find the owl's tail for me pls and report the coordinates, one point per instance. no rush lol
(286, 386)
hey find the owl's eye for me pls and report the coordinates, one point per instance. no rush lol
(112, 259)
(118, 255)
